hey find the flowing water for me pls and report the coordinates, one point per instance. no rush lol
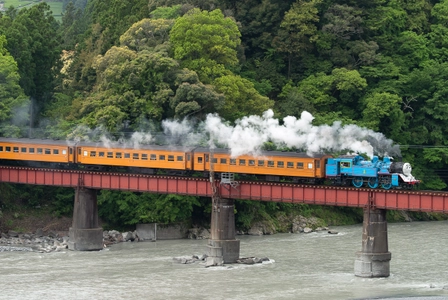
(303, 266)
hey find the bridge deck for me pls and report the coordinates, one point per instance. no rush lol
(258, 191)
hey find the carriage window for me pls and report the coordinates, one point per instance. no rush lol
(23, 149)
(118, 155)
(152, 157)
(31, 150)
(233, 161)
(280, 164)
(55, 151)
(85, 152)
(261, 163)
(242, 162)
(251, 162)
(16, 149)
(318, 164)
(110, 155)
(310, 166)
(1, 148)
(188, 157)
(200, 159)
(8, 149)
(79, 152)
(300, 165)
(47, 151)
(170, 157)
(144, 156)
(214, 160)
(180, 158)
(270, 163)
(39, 151)
(127, 155)
(161, 157)
(223, 160)
(135, 156)
(71, 151)
(101, 154)
(290, 164)
(206, 158)
(92, 153)
(64, 152)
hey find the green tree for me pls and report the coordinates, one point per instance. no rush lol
(131, 86)
(438, 37)
(339, 91)
(205, 42)
(383, 113)
(241, 98)
(35, 45)
(72, 26)
(146, 34)
(298, 29)
(164, 12)
(13, 103)
(193, 97)
(126, 208)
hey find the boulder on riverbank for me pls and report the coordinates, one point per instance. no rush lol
(53, 241)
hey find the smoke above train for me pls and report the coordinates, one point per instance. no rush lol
(249, 134)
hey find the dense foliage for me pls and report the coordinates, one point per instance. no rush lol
(123, 64)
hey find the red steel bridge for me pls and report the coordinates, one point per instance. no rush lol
(425, 201)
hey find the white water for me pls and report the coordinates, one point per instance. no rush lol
(304, 266)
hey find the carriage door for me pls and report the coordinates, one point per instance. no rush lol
(317, 169)
(206, 162)
(188, 161)
(71, 154)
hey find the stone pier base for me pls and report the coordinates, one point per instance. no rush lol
(372, 264)
(85, 239)
(222, 252)
(85, 233)
(222, 247)
(374, 258)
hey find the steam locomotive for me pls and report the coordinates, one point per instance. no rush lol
(152, 159)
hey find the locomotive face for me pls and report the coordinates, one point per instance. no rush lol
(407, 169)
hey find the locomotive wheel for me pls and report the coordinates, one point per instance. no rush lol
(386, 183)
(373, 182)
(358, 182)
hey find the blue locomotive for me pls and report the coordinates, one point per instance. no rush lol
(354, 169)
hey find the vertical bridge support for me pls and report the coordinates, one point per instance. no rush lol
(222, 247)
(374, 258)
(85, 234)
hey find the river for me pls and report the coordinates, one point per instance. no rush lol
(303, 266)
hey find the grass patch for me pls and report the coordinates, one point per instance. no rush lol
(56, 6)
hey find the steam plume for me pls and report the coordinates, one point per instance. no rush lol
(250, 133)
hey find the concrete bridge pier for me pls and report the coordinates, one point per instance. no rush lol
(85, 234)
(222, 247)
(374, 258)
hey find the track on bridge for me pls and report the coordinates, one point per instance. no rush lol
(426, 201)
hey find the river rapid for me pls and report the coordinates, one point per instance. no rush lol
(317, 265)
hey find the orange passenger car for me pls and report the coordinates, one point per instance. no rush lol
(36, 150)
(151, 157)
(273, 164)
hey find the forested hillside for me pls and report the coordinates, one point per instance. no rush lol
(114, 67)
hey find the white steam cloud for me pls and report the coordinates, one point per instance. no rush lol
(249, 135)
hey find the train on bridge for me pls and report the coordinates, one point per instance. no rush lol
(173, 160)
